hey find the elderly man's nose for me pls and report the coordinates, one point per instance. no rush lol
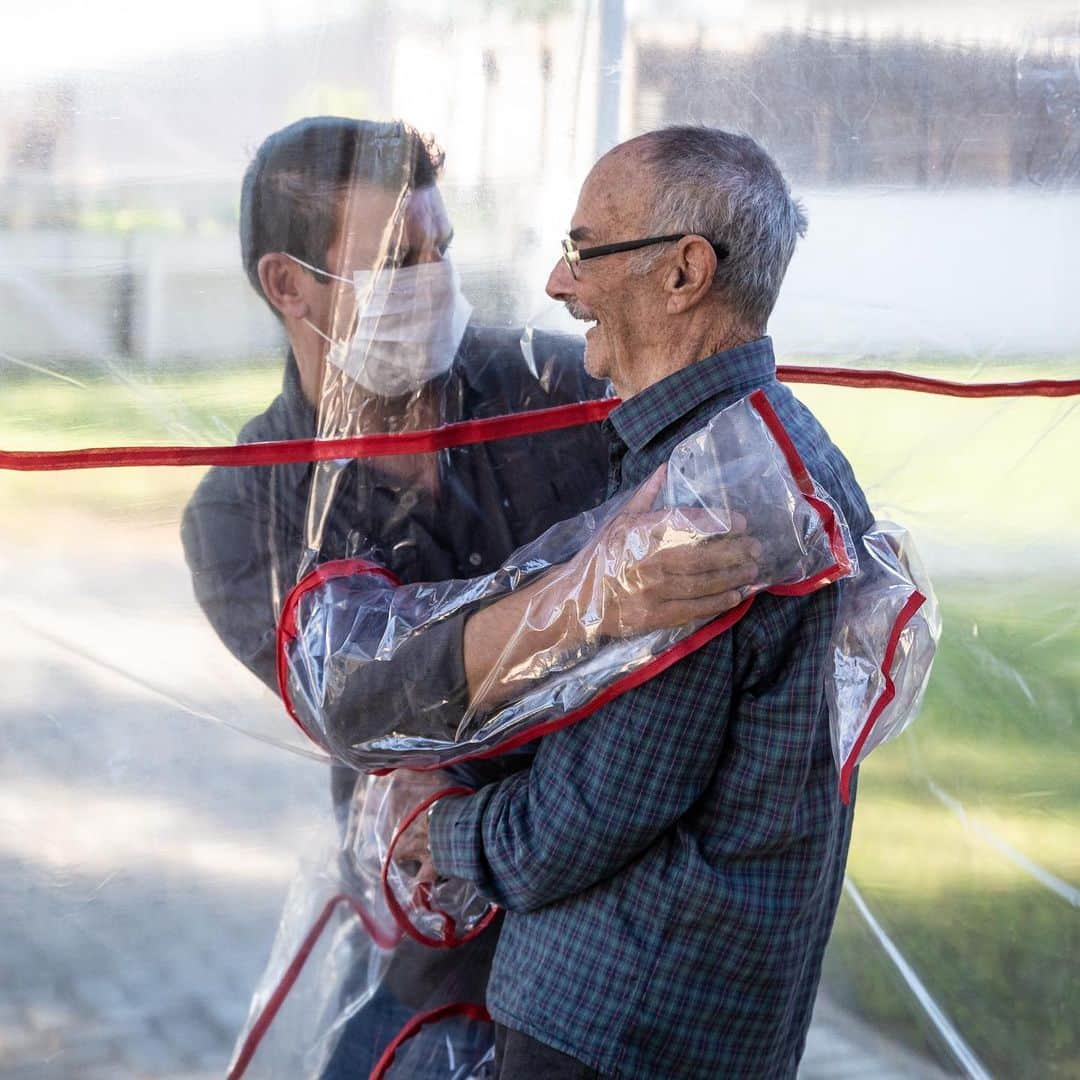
(560, 283)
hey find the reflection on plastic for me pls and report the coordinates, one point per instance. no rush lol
(573, 645)
(340, 968)
(887, 630)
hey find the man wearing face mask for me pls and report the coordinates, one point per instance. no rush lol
(345, 235)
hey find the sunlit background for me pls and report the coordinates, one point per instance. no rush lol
(145, 844)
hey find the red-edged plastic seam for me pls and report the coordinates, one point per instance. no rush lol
(292, 973)
(456, 1008)
(628, 682)
(292, 451)
(923, 384)
(451, 939)
(914, 602)
(467, 432)
(808, 490)
(286, 628)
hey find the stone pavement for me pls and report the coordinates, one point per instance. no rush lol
(144, 850)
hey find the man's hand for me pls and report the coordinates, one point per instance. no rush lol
(656, 569)
(412, 853)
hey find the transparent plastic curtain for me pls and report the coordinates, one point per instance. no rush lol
(147, 846)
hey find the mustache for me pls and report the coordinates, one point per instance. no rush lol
(579, 311)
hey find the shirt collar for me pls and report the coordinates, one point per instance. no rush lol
(730, 374)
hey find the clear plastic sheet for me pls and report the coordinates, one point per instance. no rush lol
(348, 985)
(734, 501)
(146, 848)
(886, 634)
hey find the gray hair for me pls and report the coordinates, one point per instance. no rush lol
(726, 188)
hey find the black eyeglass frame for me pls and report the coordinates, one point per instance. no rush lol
(572, 255)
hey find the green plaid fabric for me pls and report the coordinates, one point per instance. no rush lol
(671, 866)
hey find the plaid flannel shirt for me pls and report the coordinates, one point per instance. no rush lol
(671, 866)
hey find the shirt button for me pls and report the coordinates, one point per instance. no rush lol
(475, 558)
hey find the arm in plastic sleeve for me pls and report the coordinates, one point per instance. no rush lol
(371, 656)
(607, 592)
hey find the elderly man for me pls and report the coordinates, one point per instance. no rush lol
(671, 866)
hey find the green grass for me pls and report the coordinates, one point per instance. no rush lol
(993, 945)
(194, 407)
(158, 407)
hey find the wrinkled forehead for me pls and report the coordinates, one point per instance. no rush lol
(615, 198)
(373, 219)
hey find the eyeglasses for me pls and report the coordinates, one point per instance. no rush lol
(573, 255)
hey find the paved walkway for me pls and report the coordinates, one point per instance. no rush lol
(144, 851)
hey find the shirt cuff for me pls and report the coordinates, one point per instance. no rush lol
(454, 836)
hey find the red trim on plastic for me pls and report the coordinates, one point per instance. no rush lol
(914, 602)
(292, 973)
(923, 384)
(455, 1008)
(286, 628)
(628, 682)
(405, 924)
(808, 489)
(468, 432)
(285, 452)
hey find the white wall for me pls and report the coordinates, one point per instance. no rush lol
(960, 273)
(979, 274)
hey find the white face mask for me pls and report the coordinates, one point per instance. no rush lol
(409, 325)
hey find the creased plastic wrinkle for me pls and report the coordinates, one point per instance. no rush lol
(731, 476)
(887, 629)
(359, 916)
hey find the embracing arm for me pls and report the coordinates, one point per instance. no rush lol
(427, 655)
(646, 570)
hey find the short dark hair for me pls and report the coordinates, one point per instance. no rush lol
(291, 195)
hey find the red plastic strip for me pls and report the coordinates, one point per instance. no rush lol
(914, 602)
(809, 491)
(286, 628)
(468, 432)
(465, 433)
(432, 1016)
(923, 384)
(405, 924)
(292, 973)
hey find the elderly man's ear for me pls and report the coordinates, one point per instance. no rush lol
(285, 284)
(690, 279)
